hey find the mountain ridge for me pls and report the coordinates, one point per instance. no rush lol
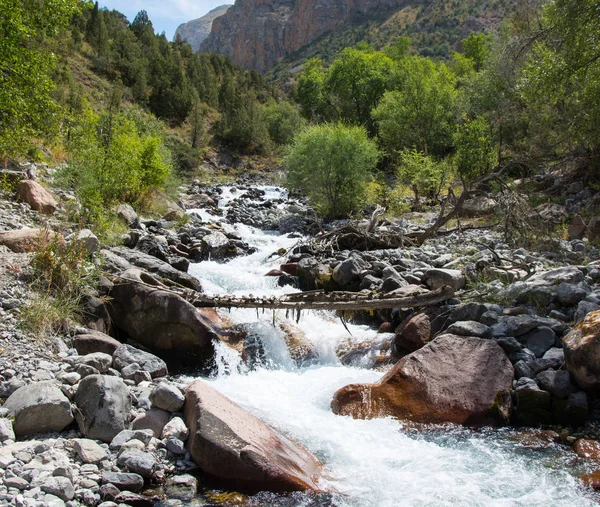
(197, 30)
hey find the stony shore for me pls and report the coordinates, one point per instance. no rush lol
(91, 416)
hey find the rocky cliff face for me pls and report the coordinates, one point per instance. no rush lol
(195, 31)
(256, 34)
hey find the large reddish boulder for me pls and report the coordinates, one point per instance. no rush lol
(36, 196)
(25, 240)
(582, 351)
(241, 451)
(455, 379)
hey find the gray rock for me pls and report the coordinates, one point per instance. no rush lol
(9, 387)
(555, 354)
(175, 446)
(585, 307)
(126, 435)
(98, 360)
(154, 419)
(214, 246)
(88, 450)
(89, 240)
(436, 278)
(539, 340)
(104, 406)
(126, 355)
(532, 404)
(175, 428)
(347, 272)
(470, 328)
(522, 369)
(509, 344)
(69, 378)
(557, 383)
(60, 487)
(568, 274)
(39, 407)
(568, 294)
(156, 246)
(489, 318)
(370, 282)
(128, 214)
(6, 430)
(85, 370)
(15, 482)
(138, 462)
(124, 481)
(128, 372)
(520, 324)
(168, 397)
(182, 487)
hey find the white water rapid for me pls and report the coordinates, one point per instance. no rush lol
(375, 463)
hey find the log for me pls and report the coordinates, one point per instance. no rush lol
(316, 300)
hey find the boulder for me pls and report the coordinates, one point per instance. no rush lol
(568, 294)
(532, 404)
(126, 213)
(164, 322)
(314, 275)
(89, 240)
(62, 487)
(123, 258)
(36, 196)
(442, 382)
(215, 246)
(156, 246)
(98, 360)
(346, 273)
(126, 355)
(413, 333)
(175, 428)
(592, 230)
(6, 430)
(577, 228)
(241, 451)
(556, 382)
(95, 341)
(437, 278)
(539, 340)
(104, 406)
(182, 487)
(587, 449)
(567, 274)
(39, 407)
(124, 481)
(470, 328)
(478, 206)
(154, 419)
(138, 462)
(25, 240)
(168, 397)
(582, 351)
(88, 450)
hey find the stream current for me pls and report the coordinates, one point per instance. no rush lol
(373, 463)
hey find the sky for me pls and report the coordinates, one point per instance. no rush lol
(166, 15)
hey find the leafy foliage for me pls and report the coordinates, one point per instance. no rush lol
(331, 163)
(475, 151)
(422, 173)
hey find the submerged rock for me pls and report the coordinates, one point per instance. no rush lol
(240, 450)
(442, 382)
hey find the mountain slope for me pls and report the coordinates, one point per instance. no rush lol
(263, 34)
(195, 31)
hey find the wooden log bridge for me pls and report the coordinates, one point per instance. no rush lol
(321, 300)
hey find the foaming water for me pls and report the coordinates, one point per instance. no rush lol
(378, 462)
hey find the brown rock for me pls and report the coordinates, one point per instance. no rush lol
(577, 228)
(299, 346)
(386, 327)
(36, 196)
(241, 451)
(164, 322)
(592, 480)
(452, 379)
(274, 272)
(582, 351)
(592, 231)
(95, 341)
(154, 419)
(588, 449)
(25, 240)
(291, 268)
(413, 333)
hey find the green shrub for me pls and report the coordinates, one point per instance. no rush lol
(423, 174)
(331, 163)
(475, 151)
(283, 121)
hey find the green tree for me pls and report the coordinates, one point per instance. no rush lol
(331, 163)
(477, 48)
(561, 83)
(26, 105)
(283, 121)
(424, 175)
(357, 80)
(421, 113)
(475, 150)
(310, 93)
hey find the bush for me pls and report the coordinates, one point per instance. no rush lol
(331, 163)
(422, 173)
(283, 121)
(475, 151)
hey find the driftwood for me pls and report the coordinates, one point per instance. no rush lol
(320, 300)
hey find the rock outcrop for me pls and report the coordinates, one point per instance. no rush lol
(455, 379)
(194, 32)
(241, 451)
(256, 34)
